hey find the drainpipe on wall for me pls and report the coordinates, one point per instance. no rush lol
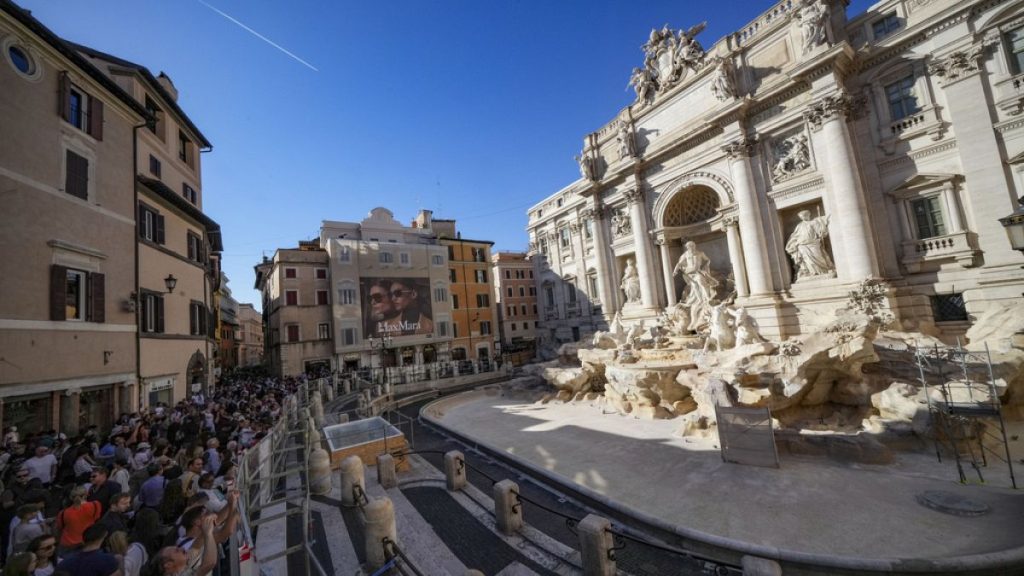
(135, 235)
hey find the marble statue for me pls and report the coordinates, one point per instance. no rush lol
(631, 283)
(621, 224)
(744, 327)
(722, 85)
(643, 83)
(794, 156)
(695, 268)
(626, 141)
(806, 245)
(586, 165)
(690, 52)
(667, 57)
(813, 16)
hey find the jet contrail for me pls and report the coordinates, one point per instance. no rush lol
(261, 37)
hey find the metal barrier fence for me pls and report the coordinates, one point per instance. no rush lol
(396, 375)
(262, 482)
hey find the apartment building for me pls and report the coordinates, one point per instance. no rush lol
(515, 293)
(228, 328)
(250, 341)
(68, 354)
(296, 309)
(391, 305)
(474, 316)
(178, 244)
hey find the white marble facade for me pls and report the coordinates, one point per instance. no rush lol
(801, 154)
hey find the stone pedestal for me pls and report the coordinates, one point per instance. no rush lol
(352, 475)
(319, 472)
(380, 525)
(455, 470)
(386, 476)
(508, 510)
(595, 542)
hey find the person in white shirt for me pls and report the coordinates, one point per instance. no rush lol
(42, 466)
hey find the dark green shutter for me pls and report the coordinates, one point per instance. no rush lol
(58, 292)
(97, 297)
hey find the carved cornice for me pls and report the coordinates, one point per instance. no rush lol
(741, 148)
(833, 106)
(796, 189)
(960, 64)
(936, 149)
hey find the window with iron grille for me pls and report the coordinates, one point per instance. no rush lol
(949, 308)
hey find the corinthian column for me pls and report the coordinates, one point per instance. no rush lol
(666, 270)
(642, 243)
(755, 253)
(849, 224)
(739, 267)
(597, 213)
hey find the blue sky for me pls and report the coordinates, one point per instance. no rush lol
(473, 109)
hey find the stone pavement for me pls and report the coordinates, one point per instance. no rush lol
(809, 505)
(444, 532)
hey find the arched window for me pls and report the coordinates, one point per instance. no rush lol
(692, 205)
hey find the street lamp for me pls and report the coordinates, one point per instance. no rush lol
(170, 282)
(1014, 224)
(382, 344)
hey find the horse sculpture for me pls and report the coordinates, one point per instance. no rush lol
(720, 330)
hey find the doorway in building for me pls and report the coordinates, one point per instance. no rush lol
(429, 354)
(318, 368)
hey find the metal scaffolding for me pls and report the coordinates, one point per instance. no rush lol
(274, 485)
(968, 420)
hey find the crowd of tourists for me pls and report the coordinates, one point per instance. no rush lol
(154, 495)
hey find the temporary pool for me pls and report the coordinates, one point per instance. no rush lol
(364, 438)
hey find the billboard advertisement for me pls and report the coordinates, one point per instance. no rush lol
(396, 307)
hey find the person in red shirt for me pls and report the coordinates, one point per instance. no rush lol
(72, 521)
